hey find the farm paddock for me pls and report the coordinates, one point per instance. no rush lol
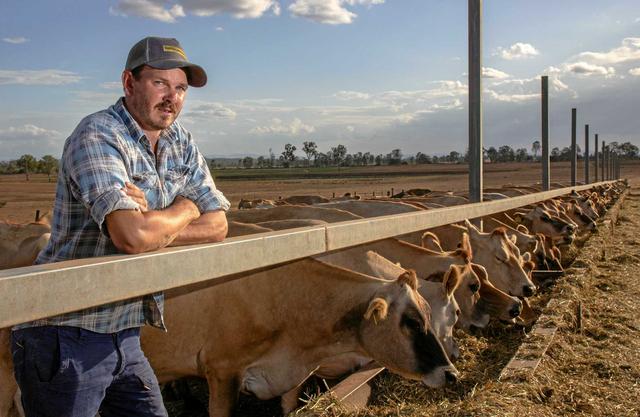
(593, 372)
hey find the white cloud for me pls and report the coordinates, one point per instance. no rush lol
(331, 12)
(151, 9)
(511, 98)
(112, 85)
(16, 40)
(212, 109)
(586, 69)
(635, 71)
(488, 72)
(27, 131)
(351, 95)
(629, 51)
(157, 9)
(38, 77)
(294, 128)
(518, 50)
(219, 29)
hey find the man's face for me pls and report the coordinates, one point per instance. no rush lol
(155, 99)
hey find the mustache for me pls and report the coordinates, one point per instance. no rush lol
(166, 105)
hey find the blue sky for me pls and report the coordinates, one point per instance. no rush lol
(373, 75)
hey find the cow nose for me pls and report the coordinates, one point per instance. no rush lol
(516, 310)
(528, 290)
(451, 377)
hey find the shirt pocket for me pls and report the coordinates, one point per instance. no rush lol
(176, 179)
(145, 180)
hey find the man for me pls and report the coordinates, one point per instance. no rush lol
(132, 180)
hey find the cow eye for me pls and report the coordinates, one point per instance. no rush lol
(474, 288)
(413, 324)
(501, 260)
(458, 313)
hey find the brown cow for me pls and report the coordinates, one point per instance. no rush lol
(265, 334)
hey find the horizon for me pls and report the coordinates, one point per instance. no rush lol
(324, 71)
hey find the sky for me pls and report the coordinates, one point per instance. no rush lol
(373, 75)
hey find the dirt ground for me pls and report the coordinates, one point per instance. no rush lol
(20, 199)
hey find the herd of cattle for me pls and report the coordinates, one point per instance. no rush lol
(394, 301)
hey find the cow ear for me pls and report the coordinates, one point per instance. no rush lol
(522, 228)
(451, 280)
(431, 241)
(410, 278)
(526, 257)
(470, 226)
(377, 310)
(518, 217)
(513, 239)
(466, 245)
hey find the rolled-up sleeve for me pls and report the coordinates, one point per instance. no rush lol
(200, 187)
(97, 173)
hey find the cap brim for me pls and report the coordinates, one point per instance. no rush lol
(196, 76)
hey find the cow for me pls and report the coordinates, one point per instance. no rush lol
(496, 252)
(305, 199)
(291, 212)
(264, 334)
(257, 203)
(21, 243)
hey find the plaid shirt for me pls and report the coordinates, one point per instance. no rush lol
(107, 149)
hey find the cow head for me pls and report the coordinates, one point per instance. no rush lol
(396, 333)
(493, 301)
(444, 308)
(540, 220)
(502, 260)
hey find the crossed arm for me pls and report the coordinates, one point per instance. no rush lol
(181, 223)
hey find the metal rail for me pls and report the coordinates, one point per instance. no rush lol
(45, 290)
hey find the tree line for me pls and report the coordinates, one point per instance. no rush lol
(339, 156)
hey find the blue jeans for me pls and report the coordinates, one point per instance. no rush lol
(72, 372)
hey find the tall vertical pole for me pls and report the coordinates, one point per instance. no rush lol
(574, 156)
(475, 101)
(604, 178)
(595, 157)
(606, 163)
(586, 154)
(545, 133)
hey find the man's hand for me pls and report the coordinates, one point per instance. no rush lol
(136, 195)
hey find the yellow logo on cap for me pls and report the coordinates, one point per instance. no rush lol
(177, 50)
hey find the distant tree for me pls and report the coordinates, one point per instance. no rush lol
(395, 157)
(379, 158)
(370, 159)
(322, 160)
(338, 154)
(453, 157)
(506, 154)
(261, 162)
(628, 150)
(310, 149)
(272, 158)
(535, 148)
(288, 156)
(521, 155)
(49, 165)
(348, 160)
(28, 164)
(492, 154)
(423, 158)
(247, 162)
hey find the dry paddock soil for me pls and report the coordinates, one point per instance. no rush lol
(592, 371)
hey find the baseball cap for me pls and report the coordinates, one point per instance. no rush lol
(164, 53)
